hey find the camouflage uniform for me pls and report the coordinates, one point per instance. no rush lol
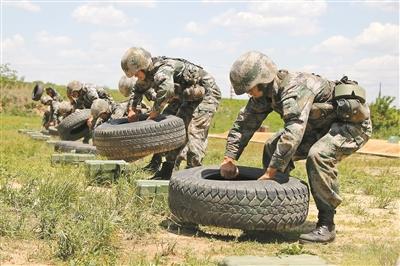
(118, 110)
(310, 132)
(51, 115)
(192, 94)
(56, 95)
(88, 94)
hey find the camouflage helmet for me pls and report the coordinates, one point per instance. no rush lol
(45, 99)
(250, 69)
(98, 107)
(65, 107)
(74, 86)
(135, 59)
(125, 85)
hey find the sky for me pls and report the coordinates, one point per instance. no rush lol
(61, 41)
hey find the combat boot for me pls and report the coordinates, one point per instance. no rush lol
(165, 173)
(324, 232)
(154, 165)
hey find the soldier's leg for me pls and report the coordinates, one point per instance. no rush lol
(185, 112)
(46, 119)
(342, 140)
(197, 136)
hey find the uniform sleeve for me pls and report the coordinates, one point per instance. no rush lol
(150, 95)
(92, 94)
(135, 100)
(296, 107)
(164, 81)
(55, 111)
(248, 121)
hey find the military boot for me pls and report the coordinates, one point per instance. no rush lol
(165, 173)
(154, 165)
(324, 231)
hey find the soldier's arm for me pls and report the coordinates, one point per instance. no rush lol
(164, 81)
(92, 94)
(55, 114)
(247, 122)
(296, 110)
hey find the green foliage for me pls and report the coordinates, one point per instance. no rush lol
(385, 118)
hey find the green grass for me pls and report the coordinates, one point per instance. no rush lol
(55, 216)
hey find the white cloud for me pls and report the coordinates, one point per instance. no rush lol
(25, 5)
(15, 51)
(381, 36)
(389, 6)
(142, 3)
(336, 44)
(100, 15)
(195, 28)
(14, 42)
(44, 38)
(296, 18)
(181, 42)
(377, 37)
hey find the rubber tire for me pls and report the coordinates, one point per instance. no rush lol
(247, 204)
(37, 92)
(78, 147)
(121, 140)
(74, 126)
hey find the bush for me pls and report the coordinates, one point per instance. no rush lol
(385, 117)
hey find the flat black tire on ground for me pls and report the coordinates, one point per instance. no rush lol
(74, 126)
(200, 196)
(74, 146)
(121, 140)
(37, 92)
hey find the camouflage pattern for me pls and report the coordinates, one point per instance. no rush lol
(125, 85)
(54, 94)
(190, 93)
(88, 94)
(51, 115)
(115, 111)
(74, 86)
(311, 131)
(250, 69)
(140, 89)
(65, 109)
(45, 99)
(135, 59)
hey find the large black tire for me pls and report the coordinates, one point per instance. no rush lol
(78, 147)
(74, 126)
(121, 140)
(200, 196)
(37, 92)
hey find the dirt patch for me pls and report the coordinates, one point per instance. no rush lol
(22, 252)
(372, 147)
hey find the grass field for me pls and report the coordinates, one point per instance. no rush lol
(52, 215)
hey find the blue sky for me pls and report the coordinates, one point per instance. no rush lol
(59, 41)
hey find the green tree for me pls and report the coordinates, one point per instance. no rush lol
(385, 117)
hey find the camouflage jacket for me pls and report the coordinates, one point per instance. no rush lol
(54, 111)
(118, 110)
(292, 96)
(169, 77)
(141, 88)
(88, 94)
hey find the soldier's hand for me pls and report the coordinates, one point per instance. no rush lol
(228, 169)
(152, 115)
(269, 174)
(89, 122)
(132, 116)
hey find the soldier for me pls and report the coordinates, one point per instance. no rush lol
(323, 124)
(53, 94)
(83, 95)
(102, 111)
(64, 110)
(172, 79)
(50, 117)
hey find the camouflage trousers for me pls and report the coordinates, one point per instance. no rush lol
(197, 117)
(322, 155)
